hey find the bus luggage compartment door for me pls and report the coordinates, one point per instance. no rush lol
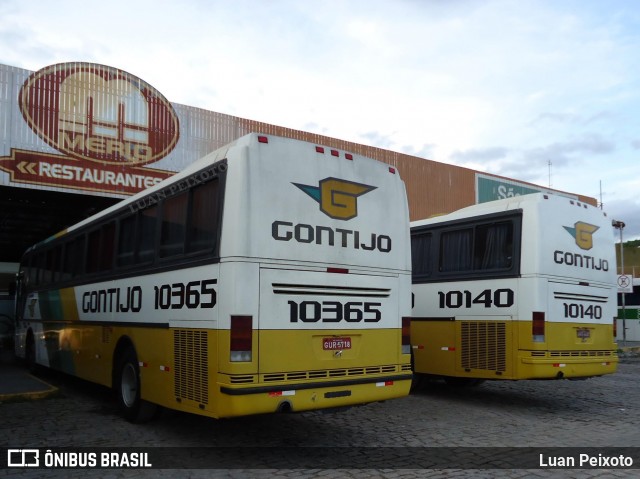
(580, 317)
(314, 324)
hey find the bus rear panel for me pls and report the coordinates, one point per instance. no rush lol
(522, 288)
(272, 275)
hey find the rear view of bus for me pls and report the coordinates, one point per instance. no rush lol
(314, 279)
(271, 275)
(522, 288)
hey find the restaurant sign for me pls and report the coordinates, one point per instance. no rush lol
(106, 123)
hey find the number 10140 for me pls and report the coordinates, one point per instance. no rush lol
(499, 298)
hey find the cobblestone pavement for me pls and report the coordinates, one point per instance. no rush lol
(596, 413)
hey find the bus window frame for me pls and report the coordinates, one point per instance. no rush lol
(437, 230)
(82, 276)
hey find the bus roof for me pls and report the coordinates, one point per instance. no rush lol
(505, 204)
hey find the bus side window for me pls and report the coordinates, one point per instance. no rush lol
(107, 240)
(67, 265)
(147, 237)
(37, 268)
(126, 241)
(421, 263)
(78, 248)
(31, 274)
(455, 250)
(93, 252)
(493, 246)
(174, 218)
(203, 218)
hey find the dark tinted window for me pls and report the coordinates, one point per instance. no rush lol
(147, 238)
(421, 254)
(493, 247)
(203, 217)
(455, 250)
(107, 246)
(174, 219)
(93, 252)
(126, 241)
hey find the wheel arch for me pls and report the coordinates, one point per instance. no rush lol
(124, 344)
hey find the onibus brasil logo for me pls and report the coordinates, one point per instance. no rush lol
(583, 234)
(337, 198)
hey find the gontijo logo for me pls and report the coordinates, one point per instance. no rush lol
(338, 199)
(583, 234)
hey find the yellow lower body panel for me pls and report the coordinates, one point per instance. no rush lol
(190, 369)
(507, 349)
(257, 400)
(560, 367)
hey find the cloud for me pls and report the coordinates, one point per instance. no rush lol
(583, 118)
(569, 152)
(378, 139)
(629, 212)
(534, 164)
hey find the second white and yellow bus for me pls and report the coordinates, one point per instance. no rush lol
(272, 275)
(521, 288)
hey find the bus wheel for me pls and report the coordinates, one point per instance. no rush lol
(127, 386)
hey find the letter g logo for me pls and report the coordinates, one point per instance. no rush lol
(583, 234)
(337, 198)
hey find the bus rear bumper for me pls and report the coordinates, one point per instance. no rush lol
(241, 401)
(567, 367)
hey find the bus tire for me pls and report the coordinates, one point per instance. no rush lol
(127, 387)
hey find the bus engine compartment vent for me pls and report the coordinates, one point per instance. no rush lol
(191, 365)
(333, 373)
(582, 354)
(484, 345)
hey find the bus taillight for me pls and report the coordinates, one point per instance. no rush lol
(241, 338)
(537, 327)
(406, 335)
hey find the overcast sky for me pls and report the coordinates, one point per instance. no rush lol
(541, 91)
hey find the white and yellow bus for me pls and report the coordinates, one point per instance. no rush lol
(271, 275)
(521, 288)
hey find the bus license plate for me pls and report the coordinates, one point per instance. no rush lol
(332, 344)
(583, 333)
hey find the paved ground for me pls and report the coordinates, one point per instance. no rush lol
(596, 416)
